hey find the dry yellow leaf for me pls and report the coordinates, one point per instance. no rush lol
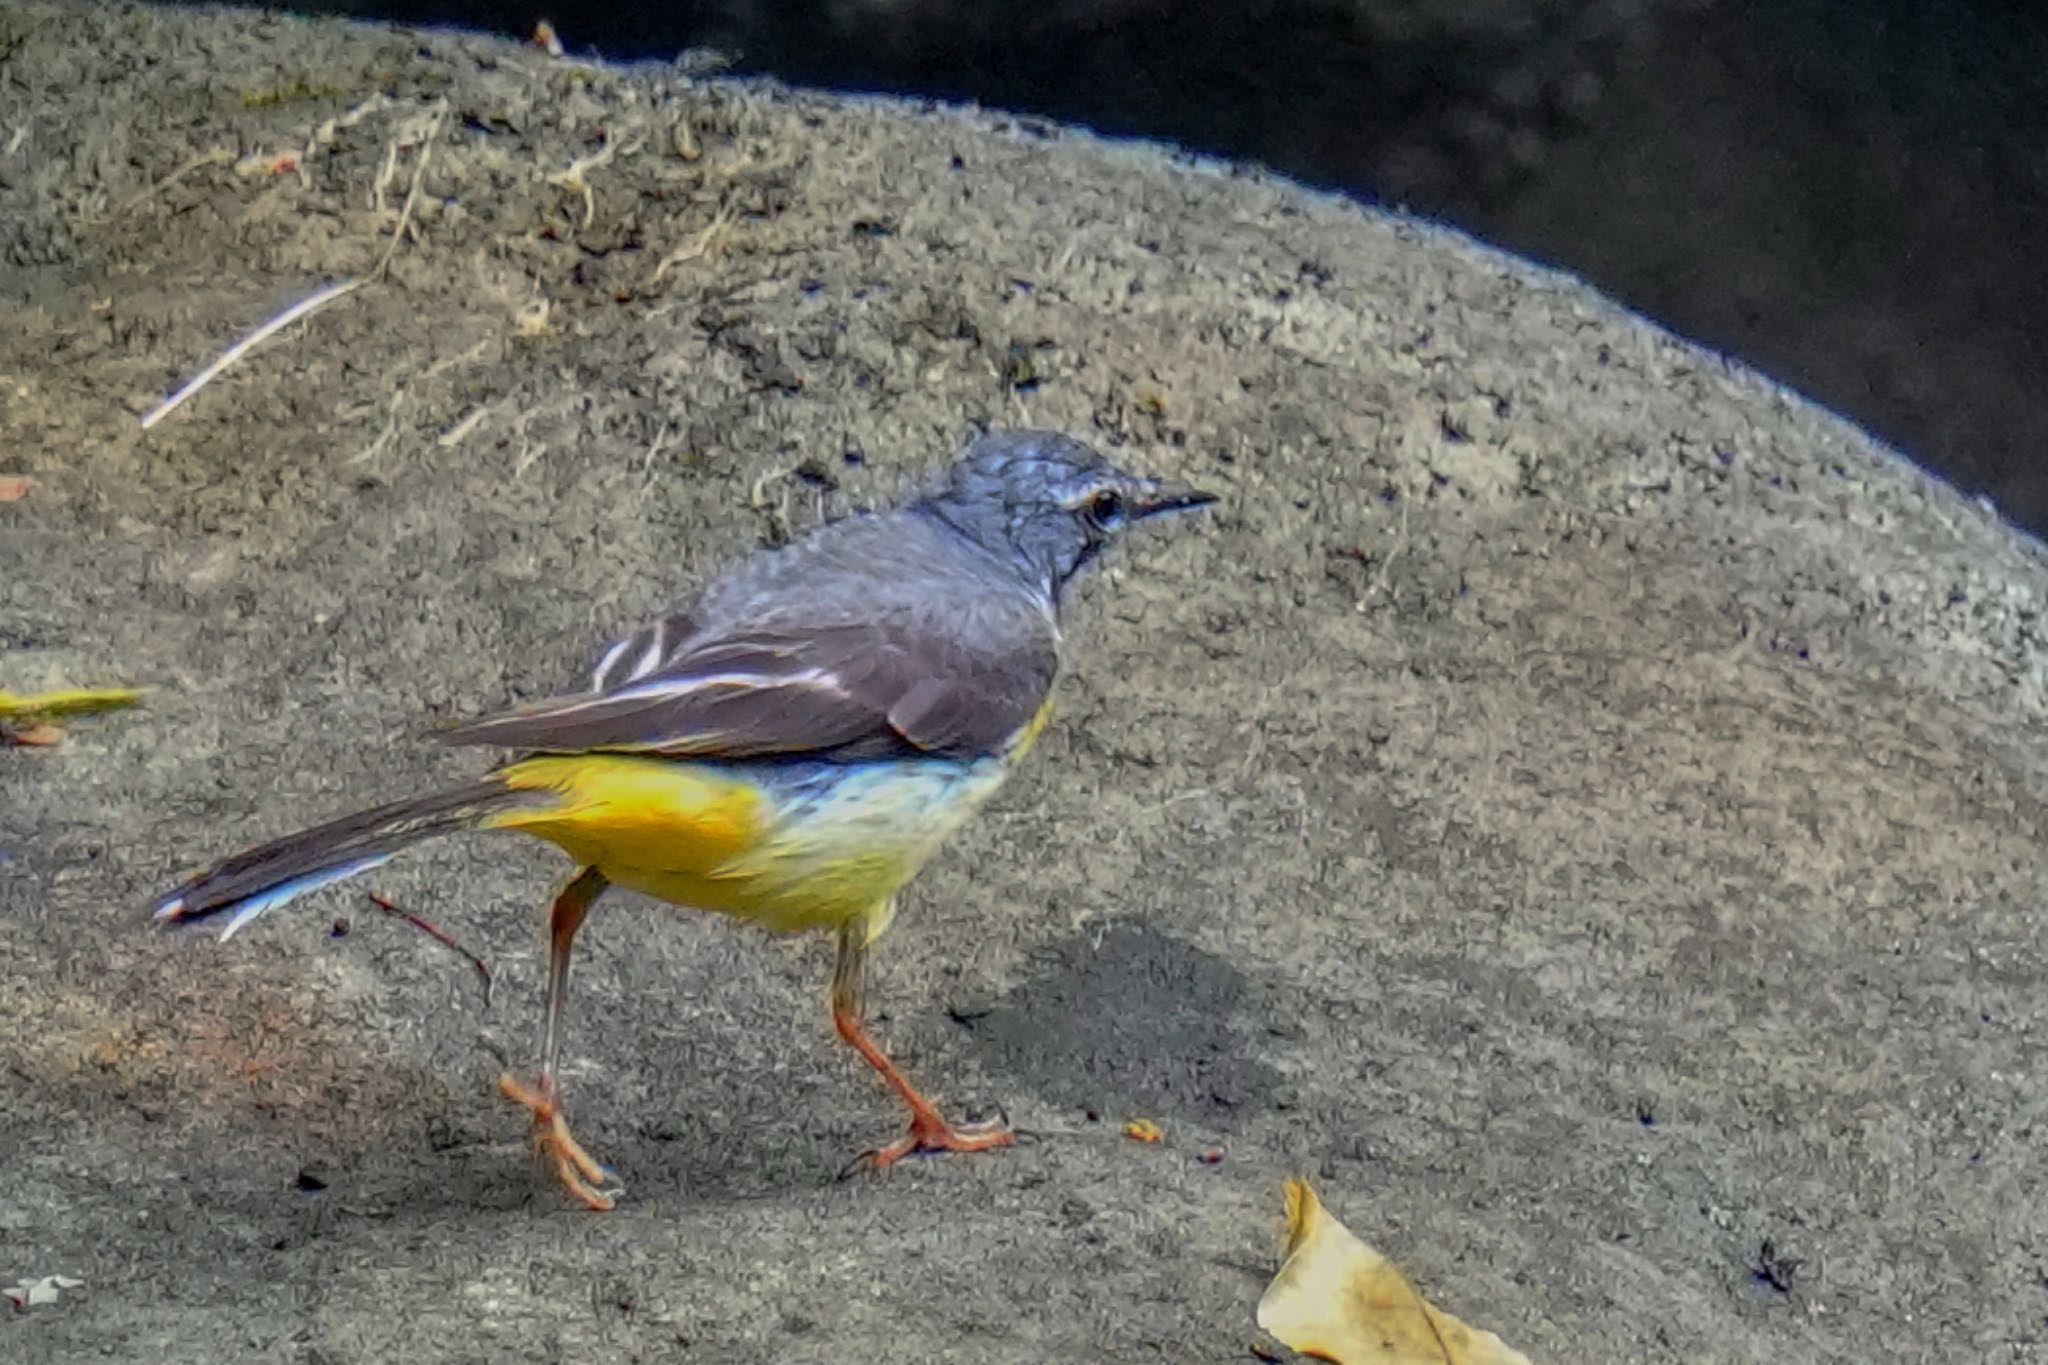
(1144, 1130)
(1337, 1299)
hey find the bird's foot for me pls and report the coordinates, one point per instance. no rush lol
(580, 1173)
(929, 1133)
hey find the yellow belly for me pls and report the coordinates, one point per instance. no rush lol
(789, 846)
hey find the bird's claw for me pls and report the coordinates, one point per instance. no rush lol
(586, 1178)
(930, 1135)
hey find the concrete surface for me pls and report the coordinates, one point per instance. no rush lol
(1848, 196)
(1578, 804)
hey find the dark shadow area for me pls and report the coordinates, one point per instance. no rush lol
(1851, 198)
(1123, 1019)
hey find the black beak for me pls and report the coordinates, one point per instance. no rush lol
(1156, 499)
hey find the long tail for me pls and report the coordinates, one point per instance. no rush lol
(252, 883)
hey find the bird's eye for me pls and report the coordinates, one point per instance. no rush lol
(1106, 509)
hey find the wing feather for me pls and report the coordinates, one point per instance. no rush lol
(639, 654)
(791, 686)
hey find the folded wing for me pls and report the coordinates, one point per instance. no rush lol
(791, 687)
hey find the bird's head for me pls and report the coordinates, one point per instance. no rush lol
(1048, 504)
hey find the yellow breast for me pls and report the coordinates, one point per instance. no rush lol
(787, 845)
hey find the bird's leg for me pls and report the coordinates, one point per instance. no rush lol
(929, 1131)
(578, 1171)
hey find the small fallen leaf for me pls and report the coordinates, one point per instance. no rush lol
(13, 488)
(1144, 1130)
(68, 701)
(34, 735)
(34, 1293)
(24, 717)
(1337, 1299)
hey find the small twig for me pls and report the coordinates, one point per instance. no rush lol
(775, 514)
(218, 156)
(428, 927)
(654, 448)
(385, 173)
(384, 437)
(452, 437)
(412, 194)
(575, 178)
(244, 346)
(441, 367)
(529, 449)
(326, 132)
(698, 245)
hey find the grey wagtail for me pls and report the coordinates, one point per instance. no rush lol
(788, 749)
